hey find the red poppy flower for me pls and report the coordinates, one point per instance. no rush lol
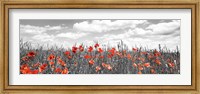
(171, 65)
(63, 63)
(67, 52)
(51, 57)
(81, 48)
(129, 56)
(59, 61)
(65, 71)
(87, 56)
(112, 51)
(25, 58)
(42, 67)
(69, 57)
(91, 62)
(139, 72)
(100, 50)
(98, 68)
(36, 64)
(110, 55)
(31, 54)
(109, 67)
(51, 63)
(103, 64)
(134, 49)
(74, 49)
(118, 53)
(35, 71)
(101, 56)
(142, 59)
(152, 71)
(144, 53)
(156, 53)
(150, 56)
(147, 64)
(96, 45)
(157, 62)
(24, 69)
(134, 65)
(57, 70)
(90, 49)
(140, 68)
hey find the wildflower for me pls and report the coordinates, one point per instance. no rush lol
(42, 67)
(57, 70)
(171, 64)
(36, 64)
(103, 64)
(74, 49)
(118, 53)
(24, 69)
(67, 53)
(81, 48)
(31, 54)
(51, 57)
(109, 67)
(134, 49)
(63, 63)
(100, 50)
(150, 56)
(158, 61)
(51, 63)
(142, 59)
(110, 55)
(96, 45)
(112, 51)
(139, 72)
(98, 68)
(25, 58)
(69, 57)
(101, 56)
(91, 62)
(34, 72)
(90, 49)
(129, 56)
(140, 68)
(147, 64)
(156, 53)
(65, 71)
(152, 71)
(134, 65)
(87, 56)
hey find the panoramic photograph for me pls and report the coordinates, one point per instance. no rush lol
(99, 46)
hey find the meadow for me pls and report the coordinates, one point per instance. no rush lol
(97, 59)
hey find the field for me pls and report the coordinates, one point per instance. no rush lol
(95, 59)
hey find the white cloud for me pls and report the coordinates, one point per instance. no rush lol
(71, 35)
(28, 29)
(164, 28)
(55, 28)
(126, 34)
(31, 29)
(43, 37)
(106, 25)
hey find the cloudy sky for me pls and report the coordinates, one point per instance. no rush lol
(68, 32)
